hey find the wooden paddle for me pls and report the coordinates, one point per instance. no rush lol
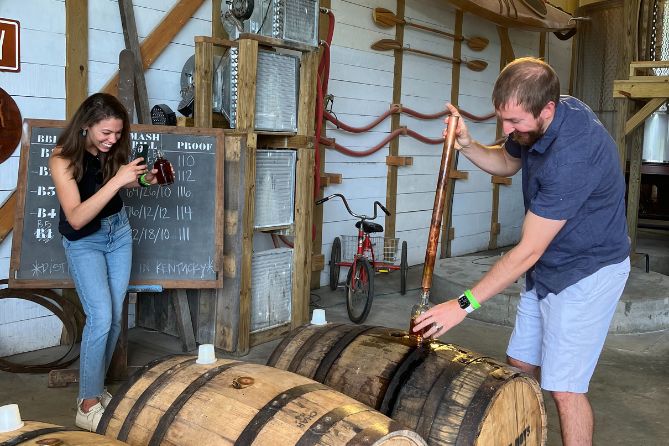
(390, 44)
(385, 18)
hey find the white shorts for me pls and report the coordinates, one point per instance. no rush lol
(564, 334)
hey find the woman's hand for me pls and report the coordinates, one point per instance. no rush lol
(151, 176)
(153, 179)
(463, 137)
(129, 173)
(440, 318)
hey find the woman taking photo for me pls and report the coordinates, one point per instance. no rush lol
(89, 166)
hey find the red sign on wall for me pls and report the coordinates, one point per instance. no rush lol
(10, 56)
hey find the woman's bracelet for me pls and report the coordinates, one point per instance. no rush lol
(142, 181)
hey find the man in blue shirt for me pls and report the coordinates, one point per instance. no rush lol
(574, 248)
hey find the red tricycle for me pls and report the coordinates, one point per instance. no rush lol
(358, 253)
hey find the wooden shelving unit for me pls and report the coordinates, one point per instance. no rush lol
(233, 318)
(641, 85)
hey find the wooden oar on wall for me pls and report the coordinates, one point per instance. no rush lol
(390, 44)
(386, 19)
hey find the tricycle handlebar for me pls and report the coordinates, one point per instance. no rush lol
(362, 217)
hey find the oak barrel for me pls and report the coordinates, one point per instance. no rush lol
(38, 433)
(176, 401)
(447, 394)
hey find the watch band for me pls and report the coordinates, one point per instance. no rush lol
(467, 302)
(472, 300)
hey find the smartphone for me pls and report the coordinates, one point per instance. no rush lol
(143, 151)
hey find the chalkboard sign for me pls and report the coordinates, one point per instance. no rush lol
(177, 230)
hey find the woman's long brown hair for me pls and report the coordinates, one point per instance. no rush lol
(72, 141)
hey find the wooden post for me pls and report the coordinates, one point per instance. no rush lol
(317, 211)
(304, 192)
(76, 54)
(623, 111)
(494, 219)
(7, 215)
(575, 45)
(307, 99)
(445, 249)
(228, 298)
(306, 127)
(126, 80)
(204, 61)
(394, 149)
(246, 85)
(76, 75)
(160, 36)
(132, 44)
(506, 50)
(217, 29)
(246, 105)
(184, 323)
(248, 215)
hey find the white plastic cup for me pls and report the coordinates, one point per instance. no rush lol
(318, 317)
(206, 354)
(10, 418)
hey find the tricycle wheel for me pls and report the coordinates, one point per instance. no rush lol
(359, 290)
(335, 259)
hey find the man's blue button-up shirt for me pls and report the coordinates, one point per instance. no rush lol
(573, 173)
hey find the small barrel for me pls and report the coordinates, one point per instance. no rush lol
(448, 395)
(38, 433)
(176, 401)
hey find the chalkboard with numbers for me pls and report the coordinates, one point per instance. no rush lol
(177, 229)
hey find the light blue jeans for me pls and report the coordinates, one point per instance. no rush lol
(100, 268)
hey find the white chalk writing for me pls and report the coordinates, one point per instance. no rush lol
(192, 269)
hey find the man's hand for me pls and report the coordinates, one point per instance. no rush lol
(463, 137)
(440, 318)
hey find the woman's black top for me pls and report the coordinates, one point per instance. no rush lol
(90, 182)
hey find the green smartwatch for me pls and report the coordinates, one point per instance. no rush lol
(467, 302)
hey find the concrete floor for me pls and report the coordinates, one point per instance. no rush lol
(629, 391)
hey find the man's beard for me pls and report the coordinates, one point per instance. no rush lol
(526, 138)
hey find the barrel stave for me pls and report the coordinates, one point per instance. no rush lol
(367, 365)
(306, 351)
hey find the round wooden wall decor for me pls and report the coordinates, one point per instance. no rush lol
(10, 125)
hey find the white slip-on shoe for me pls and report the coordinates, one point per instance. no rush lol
(105, 398)
(89, 420)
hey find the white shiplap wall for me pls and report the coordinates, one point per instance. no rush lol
(39, 91)
(361, 81)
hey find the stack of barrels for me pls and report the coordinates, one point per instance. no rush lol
(334, 384)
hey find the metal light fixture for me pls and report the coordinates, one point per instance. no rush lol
(161, 114)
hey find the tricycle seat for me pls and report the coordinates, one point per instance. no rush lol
(369, 227)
